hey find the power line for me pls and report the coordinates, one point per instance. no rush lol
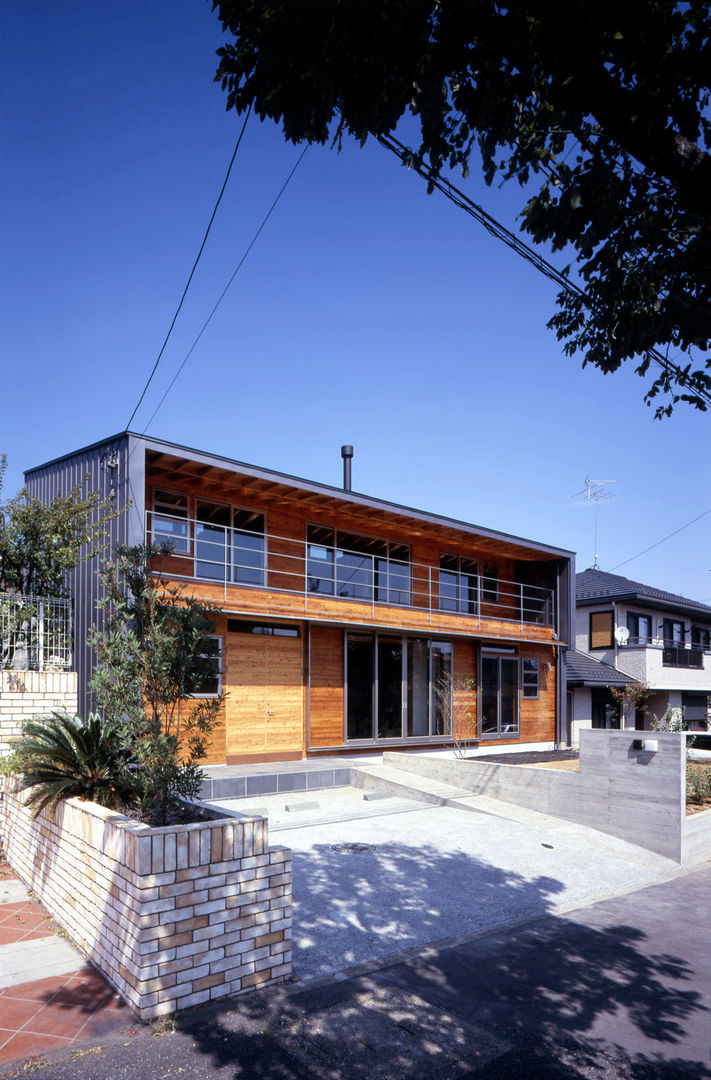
(668, 537)
(190, 278)
(500, 232)
(227, 286)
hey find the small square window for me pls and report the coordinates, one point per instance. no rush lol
(601, 629)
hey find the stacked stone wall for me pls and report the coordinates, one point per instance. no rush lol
(173, 917)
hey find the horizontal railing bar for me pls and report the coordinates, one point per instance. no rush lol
(303, 556)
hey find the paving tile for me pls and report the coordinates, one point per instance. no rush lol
(10, 934)
(40, 990)
(65, 1020)
(15, 1013)
(105, 1022)
(84, 994)
(24, 1045)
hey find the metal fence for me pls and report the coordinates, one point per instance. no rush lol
(35, 633)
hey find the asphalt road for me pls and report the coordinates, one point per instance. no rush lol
(619, 989)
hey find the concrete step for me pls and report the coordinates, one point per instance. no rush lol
(409, 786)
(437, 793)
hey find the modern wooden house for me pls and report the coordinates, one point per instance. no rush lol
(342, 616)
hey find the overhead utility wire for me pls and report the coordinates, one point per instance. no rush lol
(496, 229)
(190, 278)
(224, 291)
(668, 537)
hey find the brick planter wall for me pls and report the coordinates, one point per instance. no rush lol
(24, 694)
(174, 916)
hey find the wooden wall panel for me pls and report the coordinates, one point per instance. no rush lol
(264, 680)
(326, 675)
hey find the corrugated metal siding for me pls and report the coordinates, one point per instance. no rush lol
(60, 478)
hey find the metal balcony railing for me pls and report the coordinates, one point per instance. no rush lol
(204, 551)
(687, 656)
(35, 633)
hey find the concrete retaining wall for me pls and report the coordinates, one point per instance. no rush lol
(24, 694)
(637, 795)
(174, 916)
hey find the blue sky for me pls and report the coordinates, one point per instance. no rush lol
(368, 312)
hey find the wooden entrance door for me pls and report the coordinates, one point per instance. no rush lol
(265, 694)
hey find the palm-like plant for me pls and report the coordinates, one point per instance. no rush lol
(66, 757)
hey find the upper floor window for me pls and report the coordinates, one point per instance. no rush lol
(170, 520)
(640, 628)
(673, 632)
(601, 629)
(229, 543)
(701, 637)
(357, 567)
(489, 582)
(458, 584)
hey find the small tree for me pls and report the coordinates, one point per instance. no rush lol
(455, 700)
(635, 695)
(41, 542)
(154, 653)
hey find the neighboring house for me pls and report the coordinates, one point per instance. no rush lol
(341, 616)
(655, 637)
(590, 701)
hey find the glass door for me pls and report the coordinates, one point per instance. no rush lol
(389, 688)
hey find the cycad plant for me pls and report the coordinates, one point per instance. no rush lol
(64, 757)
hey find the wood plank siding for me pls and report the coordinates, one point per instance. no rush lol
(285, 694)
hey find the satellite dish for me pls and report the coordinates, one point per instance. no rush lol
(622, 635)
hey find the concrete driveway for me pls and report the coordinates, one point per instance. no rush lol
(431, 873)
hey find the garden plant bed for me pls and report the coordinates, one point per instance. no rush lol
(700, 771)
(537, 759)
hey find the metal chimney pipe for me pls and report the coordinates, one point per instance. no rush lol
(346, 454)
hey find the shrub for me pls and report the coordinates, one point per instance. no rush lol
(66, 757)
(154, 653)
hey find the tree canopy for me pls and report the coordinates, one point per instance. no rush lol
(602, 105)
(41, 542)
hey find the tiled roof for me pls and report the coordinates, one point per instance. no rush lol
(591, 585)
(584, 669)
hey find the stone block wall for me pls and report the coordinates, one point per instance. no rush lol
(173, 917)
(24, 694)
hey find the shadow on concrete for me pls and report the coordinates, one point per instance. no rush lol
(555, 998)
(352, 908)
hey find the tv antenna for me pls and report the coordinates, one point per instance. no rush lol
(593, 491)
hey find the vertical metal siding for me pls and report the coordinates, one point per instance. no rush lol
(58, 479)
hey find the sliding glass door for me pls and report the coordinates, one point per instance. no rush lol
(390, 687)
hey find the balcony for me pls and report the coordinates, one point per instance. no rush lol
(372, 582)
(666, 666)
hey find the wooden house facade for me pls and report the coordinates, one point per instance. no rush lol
(346, 623)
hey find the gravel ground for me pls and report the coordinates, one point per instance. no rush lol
(430, 873)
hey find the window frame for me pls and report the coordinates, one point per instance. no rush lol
(464, 605)
(609, 613)
(635, 637)
(501, 658)
(156, 512)
(376, 586)
(534, 660)
(433, 720)
(201, 694)
(704, 633)
(489, 594)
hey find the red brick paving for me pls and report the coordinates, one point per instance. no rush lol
(51, 1014)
